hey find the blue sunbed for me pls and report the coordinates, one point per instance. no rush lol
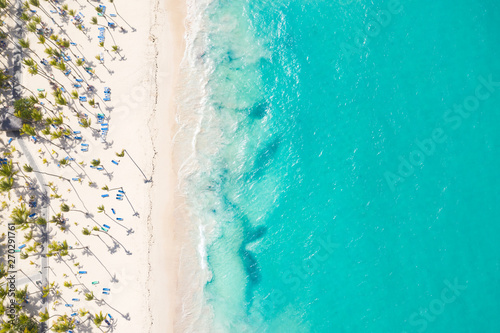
(105, 195)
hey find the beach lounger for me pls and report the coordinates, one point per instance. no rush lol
(119, 198)
(100, 168)
(119, 195)
(106, 99)
(68, 305)
(34, 139)
(62, 89)
(53, 11)
(105, 293)
(10, 141)
(113, 211)
(121, 191)
(76, 179)
(82, 272)
(119, 219)
(32, 215)
(68, 72)
(111, 25)
(84, 150)
(114, 162)
(112, 15)
(107, 322)
(76, 300)
(22, 247)
(106, 289)
(110, 316)
(106, 226)
(74, 314)
(104, 229)
(82, 98)
(41, 89)
(84, 144)
(105, 195)
(77, 85)
(74, 44)
(78, 137)
(95, 282)
(77, 132)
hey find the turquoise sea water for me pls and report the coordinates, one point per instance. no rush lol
(351, 184)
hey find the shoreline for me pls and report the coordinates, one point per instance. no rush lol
(167, 32)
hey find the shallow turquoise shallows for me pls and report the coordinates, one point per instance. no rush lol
(356, 187)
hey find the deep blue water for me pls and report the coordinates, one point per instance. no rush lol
(354, 187)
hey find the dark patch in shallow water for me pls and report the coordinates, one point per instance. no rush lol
(259, 111)
(264, 159)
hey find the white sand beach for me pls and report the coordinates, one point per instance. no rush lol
(129, 261)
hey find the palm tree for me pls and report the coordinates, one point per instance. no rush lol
(89, 296)
(101, 209)
(64, 208)
(82, 312)
(7, 170)
(84, 122)
(28, 130)
(63, 324)
(21, 294)
(6, 184)
(98, 319)
(115, 48)
(28, 236)
(27, 168)
(56, 135)
(20, 215)
(96, 163)
(44, 316)
(86, 232)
